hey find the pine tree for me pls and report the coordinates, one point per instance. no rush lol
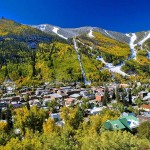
(123, 96)
(26, 98)
(0, 113)
(113, 95)
(117, 94)
(130, 96)
(106, 97)
(9, 118)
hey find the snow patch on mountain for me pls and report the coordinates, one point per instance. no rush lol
(55, 30)
(81, 42)
(90, 34)
(144, 39)
(108, 65)
(42, 27)
(85, 44)
(133, 38)
(128, 35)
(116, 69)
(148, 54)
(108, 34)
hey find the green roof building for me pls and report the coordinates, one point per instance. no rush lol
(130, 122)
(127, 122)
(114, 125)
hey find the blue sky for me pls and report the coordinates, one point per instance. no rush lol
(116, 15)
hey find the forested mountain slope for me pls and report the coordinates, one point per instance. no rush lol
(31, 56)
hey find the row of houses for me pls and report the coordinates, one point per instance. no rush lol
(68, 94)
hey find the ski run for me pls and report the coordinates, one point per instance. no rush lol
(81, 66)
(90, 34)
(55, 30)
(110, 66)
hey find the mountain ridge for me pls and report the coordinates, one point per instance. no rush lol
(72, 32)
(88, 26)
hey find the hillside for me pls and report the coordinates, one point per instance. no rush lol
(12, 29)
(30, 56)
